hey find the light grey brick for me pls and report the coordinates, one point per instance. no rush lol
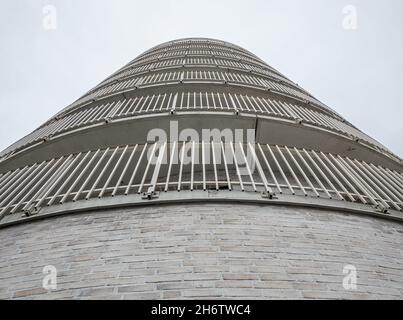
(203, 251)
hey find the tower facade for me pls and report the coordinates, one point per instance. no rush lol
(199, 171)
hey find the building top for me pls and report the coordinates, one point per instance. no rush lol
(94, 148)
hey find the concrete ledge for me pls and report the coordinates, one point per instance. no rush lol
(172, 197)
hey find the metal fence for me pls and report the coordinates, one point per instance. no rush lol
(191, 165)
(192, 101)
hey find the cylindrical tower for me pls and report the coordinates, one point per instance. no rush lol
(199, 171)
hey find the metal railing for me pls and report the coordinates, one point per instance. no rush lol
(194, 165)
(191, 101)
(200, 76)
(160, 65)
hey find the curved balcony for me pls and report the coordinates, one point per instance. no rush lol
(272, 173)
(235, 105)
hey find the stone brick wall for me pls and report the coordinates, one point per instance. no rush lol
(203, 251)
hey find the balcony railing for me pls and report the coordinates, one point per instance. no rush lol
(192, 101)
(179, 166)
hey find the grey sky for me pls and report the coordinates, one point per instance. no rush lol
(358, 73)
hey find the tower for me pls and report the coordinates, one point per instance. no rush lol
(197, 170)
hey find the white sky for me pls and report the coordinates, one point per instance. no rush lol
(358, 73)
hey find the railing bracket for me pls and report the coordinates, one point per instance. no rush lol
(268, 195)
(29, 213)
(381, 209)
(150, 195)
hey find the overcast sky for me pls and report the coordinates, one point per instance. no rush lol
(357, 72)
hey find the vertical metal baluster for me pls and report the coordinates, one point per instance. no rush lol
(281, 170)
(162, 102)
(387, 177)
(174, 102)
(290, 110)
(254, 100)
(146, 170)
(182, 97)
(370, 177)
(204, 167)
(12, 180)
(49, 181)
(15, 182)
(349, 165)
(37, 185)
(135, 169)
(154, 179)
(312, 172)
(226, 102)
(149, 104)
(137, 104)
(107, 110)
(291, 170)
(115, 109)
(393, 176)
(387, 186)
(91, 175)
(170, 166)
(215, 166)
(213, 99)
(2, 176)
(268, 106)
(57, 181)
(101, 194)
(72, 120)
(260, 170)
(208, 104)
(181, 166)
(226, 167)
(343, 176)
(84, 119)
(193, 166)
(237, 100)
(236, 167)
(341, 185)
(219, 100)
(115, 190)
(144, 103)
(27, 193)
(247, 167)
(302, 172)
(21, 188)
(243, 100)
(67, 180)
(100, 176)
(89, 116)
(7, 177)
(124, 109)
(97, 115)
(79, 177)
(270, 169)
(262, 106)
(397, 175)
